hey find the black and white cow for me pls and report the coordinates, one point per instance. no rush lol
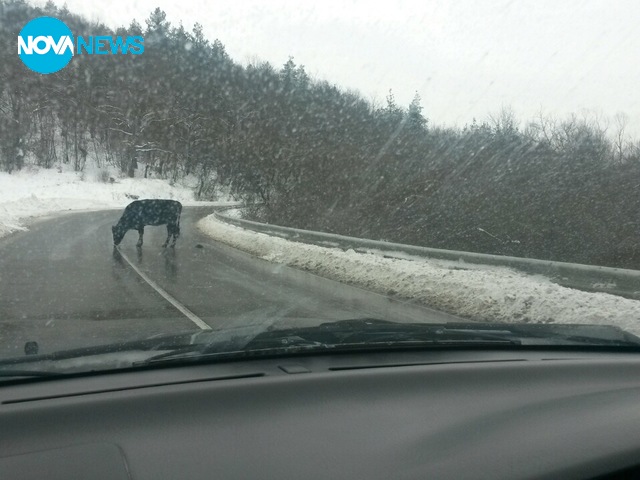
(149, 212)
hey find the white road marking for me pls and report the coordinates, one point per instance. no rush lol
(184, 310)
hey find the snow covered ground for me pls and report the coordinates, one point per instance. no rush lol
(486, 293)
(32, 193)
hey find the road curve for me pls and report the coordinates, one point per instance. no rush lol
(64, 285)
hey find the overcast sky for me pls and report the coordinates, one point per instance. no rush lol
(465, 58)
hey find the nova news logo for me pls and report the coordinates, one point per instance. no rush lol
(46, 45)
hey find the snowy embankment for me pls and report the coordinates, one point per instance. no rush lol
(32, 193)
(485, 293)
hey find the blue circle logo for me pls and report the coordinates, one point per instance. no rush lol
(45, 45)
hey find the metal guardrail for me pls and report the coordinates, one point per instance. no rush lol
(617, 281)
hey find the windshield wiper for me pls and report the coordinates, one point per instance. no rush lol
(378, 332)
(373, 331)
(262, 340)
(378, 335)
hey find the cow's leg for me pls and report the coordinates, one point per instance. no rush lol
(172, 231)
(141, 233)
(176, 234)
(166, 242)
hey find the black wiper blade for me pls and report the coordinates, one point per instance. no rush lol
(378, 332)
(378, 335)
(569, 334)
(374, 332)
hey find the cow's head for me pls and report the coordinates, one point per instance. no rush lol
(118, 234)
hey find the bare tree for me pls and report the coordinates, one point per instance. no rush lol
(620, 142)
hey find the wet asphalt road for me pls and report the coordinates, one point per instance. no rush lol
(64, 285)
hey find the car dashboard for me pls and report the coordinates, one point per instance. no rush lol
(451, 413)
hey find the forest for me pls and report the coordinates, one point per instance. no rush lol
(310, 154)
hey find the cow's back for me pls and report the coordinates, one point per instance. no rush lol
(152, 212)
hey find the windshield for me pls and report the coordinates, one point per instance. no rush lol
(195, 179)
